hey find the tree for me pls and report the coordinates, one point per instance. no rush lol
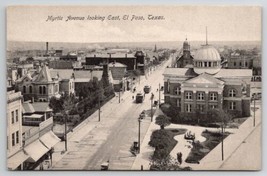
(56, 104)
(159, 139)
(221, 116)
(163, 121)
(137, 73)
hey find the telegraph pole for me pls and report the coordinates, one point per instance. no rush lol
(66, 147)
(254, 110)
(222, 143)
(152, 97)
(159, 94)
(119, 96)
(99, 111)
(139, 133)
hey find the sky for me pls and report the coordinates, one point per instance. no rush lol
(224, 23)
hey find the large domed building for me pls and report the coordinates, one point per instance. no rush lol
(207, 60)
(195, 90)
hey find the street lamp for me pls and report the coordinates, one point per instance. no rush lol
(222, 142)
(120, 95)
(254, 108)
(152, 97)
(66, 115)
(139, 133)
(159, 94)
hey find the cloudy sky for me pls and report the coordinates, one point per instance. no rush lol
(225, 23)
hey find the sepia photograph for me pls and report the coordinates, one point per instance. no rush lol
(133, 88)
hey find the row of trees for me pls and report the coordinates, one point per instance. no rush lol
(199, 118)
(88, 97)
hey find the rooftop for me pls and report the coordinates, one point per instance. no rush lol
(113, 55)
(223, 73)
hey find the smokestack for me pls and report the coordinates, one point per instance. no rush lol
(46, 47)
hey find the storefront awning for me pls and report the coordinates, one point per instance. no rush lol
(36, 150)
(14, 161)
(49, 139)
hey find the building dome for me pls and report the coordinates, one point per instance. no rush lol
(207, 59)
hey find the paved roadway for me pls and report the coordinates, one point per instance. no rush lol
(111, 138)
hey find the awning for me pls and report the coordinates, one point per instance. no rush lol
(49, 139)
(14, 161)
(36, 150)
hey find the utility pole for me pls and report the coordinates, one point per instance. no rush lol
(99, 111)
(66, 147)
(139, 133)
(254, 110)
(119, 96)
(152, 97)
(222, 142)
(159, 94)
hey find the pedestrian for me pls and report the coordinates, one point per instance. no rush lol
(133, 97)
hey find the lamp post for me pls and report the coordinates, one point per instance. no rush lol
(119, 96)
(139, 133)
(159, 94)
(254, 111)
(66, 115)
(99, 107)
(152, 97)
(222, 142)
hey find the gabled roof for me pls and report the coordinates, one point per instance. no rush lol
(36, 107)
(79, 75)
(44, 75)
(204, 78)
(27, 107)
(28, 75)
(41, 106)
(179, 72)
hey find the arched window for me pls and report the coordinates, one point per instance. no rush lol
(40, 90)
(30, 89)
(24, 89)
(44, 90)
(232, 93)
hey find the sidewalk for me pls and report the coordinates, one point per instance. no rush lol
(83, 129)
(142, 159)
(213, 160)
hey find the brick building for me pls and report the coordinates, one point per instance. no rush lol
(206, 85)
(185, 58)
(132, 61)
